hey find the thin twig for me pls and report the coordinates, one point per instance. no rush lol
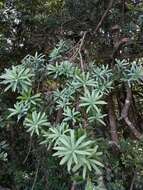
(73, 186)
(133, 181)
(78, 48)
(104, 15)
(36, 175)
(30, 146)
(79, 51)
(81, 62)
(123, 11)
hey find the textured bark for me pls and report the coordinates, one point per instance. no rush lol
(104, 15)
(133, 181)
(73, 187)
(125, 113)
(112, 120)
(59, 116)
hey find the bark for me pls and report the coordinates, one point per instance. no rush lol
(73, 187)
(59, 116)
(133, 181)
(125, 113)
(104, 15)
(112, 120)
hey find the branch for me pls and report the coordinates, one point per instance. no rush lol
(79, 51)
(117, 47)
(78, 48)
(73, 187)
(59, 116)
(125, 112)
(112, 120)
(133, 181)
(104, 15)
(36, 175)
(30, 146)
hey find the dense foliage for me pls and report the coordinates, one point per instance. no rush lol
(71, 114)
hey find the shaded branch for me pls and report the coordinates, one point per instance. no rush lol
(125, 113)
(133, 181)
(104, 15)
(29, 150)
(36, 175)
(112, 120)
(59, 115)
(73, 187)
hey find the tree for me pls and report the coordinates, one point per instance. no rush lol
(71, 87)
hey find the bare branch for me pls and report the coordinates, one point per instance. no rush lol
(104, 15)
(133, 181)
(125, 112)
(112, 120)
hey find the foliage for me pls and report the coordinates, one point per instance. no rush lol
(71, 96)
(83, 81)
(19, 110)
(55, 133)
(35, 122)
(28, 99)
(55, 6)
(132, 154)
(77, 153)
(60, 48)
(65, 69)
(17, 78)
(3, 154)
(71, 115)
(91, 101)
